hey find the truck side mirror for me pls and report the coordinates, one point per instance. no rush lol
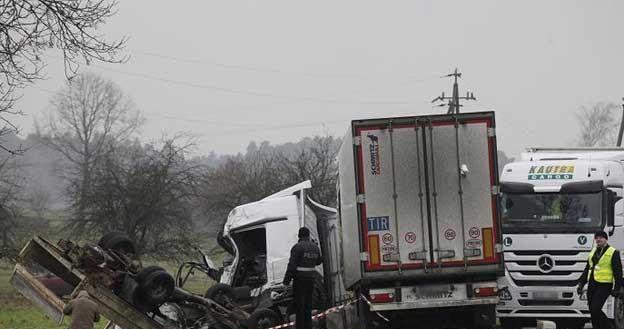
(615, 214)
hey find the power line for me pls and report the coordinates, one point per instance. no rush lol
(250, 92)
(258, 127)
(249, 68)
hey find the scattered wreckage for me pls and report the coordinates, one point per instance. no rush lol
(116, 280)
(248, 293)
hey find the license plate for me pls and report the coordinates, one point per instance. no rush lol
(545, 295)
(435, 292)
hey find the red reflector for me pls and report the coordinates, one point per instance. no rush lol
(382, 298)
(486, 292)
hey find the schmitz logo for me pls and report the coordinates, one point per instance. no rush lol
(375, 164)
(551, 172)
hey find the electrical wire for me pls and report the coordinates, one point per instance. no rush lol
(251, 92)
(249, 68)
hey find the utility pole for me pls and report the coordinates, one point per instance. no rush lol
(453, 101)
(619, 140)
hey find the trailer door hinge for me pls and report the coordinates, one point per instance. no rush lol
(495, 189)
(360, 198)
(491, 131)
(364, 256)
(357, 140)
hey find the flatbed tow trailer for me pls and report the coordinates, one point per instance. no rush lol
(113, 281)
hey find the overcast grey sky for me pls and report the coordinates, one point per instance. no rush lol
(235, 71)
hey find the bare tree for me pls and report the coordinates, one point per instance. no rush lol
(241, 179)
(10, 192)
(267, 169)
(30, 27)
(315, 161)
(599, 124)
(88, 116)
(148, 192)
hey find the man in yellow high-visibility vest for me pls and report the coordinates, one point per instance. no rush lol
(604, 274)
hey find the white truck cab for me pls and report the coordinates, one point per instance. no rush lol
(552, 202)
(259, 235)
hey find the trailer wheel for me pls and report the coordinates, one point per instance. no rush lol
(155, 286)
(117, 241)
(221, 293)
(263, 318)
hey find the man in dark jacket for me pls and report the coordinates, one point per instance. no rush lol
(304, 257)
(604, 274)
(83, 312)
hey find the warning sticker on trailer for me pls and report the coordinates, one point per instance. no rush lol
(388, 248)
(474, 232)
(387, 238)
(474, 244)
(450, 234)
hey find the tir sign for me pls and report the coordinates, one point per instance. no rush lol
(378, 223)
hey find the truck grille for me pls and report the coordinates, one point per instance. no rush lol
(543, 283)
(555, 268)
(535, 302)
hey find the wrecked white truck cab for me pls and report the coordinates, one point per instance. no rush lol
(261, 233)
(259, 236)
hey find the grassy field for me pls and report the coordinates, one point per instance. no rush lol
(18, 313)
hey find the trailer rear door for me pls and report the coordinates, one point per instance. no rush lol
(425, 191)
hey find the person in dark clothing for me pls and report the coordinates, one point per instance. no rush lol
(83, 311)
(604, 274)
(304, 257)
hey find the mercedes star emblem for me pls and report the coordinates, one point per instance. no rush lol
(545, 263)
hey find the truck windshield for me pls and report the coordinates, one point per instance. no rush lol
(552, 212)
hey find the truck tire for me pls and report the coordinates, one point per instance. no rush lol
(263, 318)
(509, 323)
(155, 286)
(146, 271)
(221, 293)
(117, 241)
(571, 323)
(368, 320)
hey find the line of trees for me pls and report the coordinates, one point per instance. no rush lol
(166, 200)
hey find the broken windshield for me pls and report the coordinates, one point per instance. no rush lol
(552, 212)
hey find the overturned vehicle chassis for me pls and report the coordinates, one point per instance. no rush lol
(129, 295)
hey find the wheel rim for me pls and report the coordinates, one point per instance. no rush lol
(160, 288)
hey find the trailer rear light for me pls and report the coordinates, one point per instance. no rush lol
(382, 298)
(485, 291)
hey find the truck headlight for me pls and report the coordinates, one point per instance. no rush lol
(504, 294)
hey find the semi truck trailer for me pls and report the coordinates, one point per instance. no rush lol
(419, 219)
